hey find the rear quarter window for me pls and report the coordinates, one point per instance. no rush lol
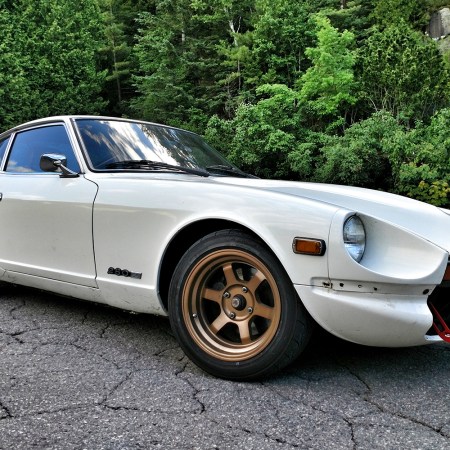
(3, 145)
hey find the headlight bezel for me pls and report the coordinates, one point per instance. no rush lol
(354, 237)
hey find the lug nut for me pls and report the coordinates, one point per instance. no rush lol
(250, 309)
(232, 315)
(244, 290)
(226, 295)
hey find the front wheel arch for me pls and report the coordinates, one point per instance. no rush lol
(181, 242)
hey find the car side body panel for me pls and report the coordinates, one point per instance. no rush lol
(48, 224)
(135, 219)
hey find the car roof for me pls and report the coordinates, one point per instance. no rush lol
(66, 118)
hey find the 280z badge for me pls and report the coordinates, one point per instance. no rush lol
(124, 273)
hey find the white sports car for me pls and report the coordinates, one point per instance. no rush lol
(149, 218)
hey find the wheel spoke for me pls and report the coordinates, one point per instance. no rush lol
(221, 320)
(213, 295)
(264, 311)
(244, 332)
(255, 281)
(229, 274)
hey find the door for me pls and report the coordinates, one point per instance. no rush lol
(46, 220)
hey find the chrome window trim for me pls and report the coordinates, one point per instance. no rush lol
(5, 155)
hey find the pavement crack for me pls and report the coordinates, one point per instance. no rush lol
(357, 376)
(16, 308)
(104, 330)
(47, 411)
(116, 387)
(19, 333)
(165, 350)
(413, 420)
(85, 317)
(100, 355)
(6, 410)
(196, 391)
(123, 408)
(367, 397)
(352, 433)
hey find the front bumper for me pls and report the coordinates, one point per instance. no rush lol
(383, 299)
(384, 320)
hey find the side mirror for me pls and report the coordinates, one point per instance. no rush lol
(51, 162)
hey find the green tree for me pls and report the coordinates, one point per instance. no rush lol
(420, 160)
(391, 12)
(360, 157)
(52, 48)
(162, 81)
(14, 105)
(280, 135)
(403, 72)
(231, 21)
(379, 152)
(261, 136)
(117, 54)
(328, 87)
(177, 51)
(280, 35)
(351, 15)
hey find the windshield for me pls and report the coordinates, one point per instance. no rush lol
(109, 143)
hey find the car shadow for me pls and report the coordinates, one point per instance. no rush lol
(326, 353)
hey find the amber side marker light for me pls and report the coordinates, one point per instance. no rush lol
(307, 246)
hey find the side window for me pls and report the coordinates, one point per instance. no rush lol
(3, 145)
(30, 145)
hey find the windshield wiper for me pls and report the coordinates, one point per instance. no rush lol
(146, 164)
(228, 170)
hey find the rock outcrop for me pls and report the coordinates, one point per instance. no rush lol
(439, 26)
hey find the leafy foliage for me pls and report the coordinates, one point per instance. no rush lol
(391, 12)
(261, 136)
(345, 91)
(279, 39)
(183, 79)
(421, 161)
(327, 87)
(116, 54)
(47, 61)
(360, 157)
(379, 152)
(404, 73)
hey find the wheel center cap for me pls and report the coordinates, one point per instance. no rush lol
(238, 302)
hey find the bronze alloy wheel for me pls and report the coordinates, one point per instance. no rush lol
(233, 308)
(231, 305)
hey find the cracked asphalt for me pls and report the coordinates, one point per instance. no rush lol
(76, 375)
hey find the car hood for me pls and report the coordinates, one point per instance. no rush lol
(427, 221)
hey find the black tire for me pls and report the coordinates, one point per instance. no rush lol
(233, 308)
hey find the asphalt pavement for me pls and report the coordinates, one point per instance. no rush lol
(76, 375)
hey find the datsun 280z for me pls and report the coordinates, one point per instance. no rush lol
(151, 219)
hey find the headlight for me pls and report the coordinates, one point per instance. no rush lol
(354, 237)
